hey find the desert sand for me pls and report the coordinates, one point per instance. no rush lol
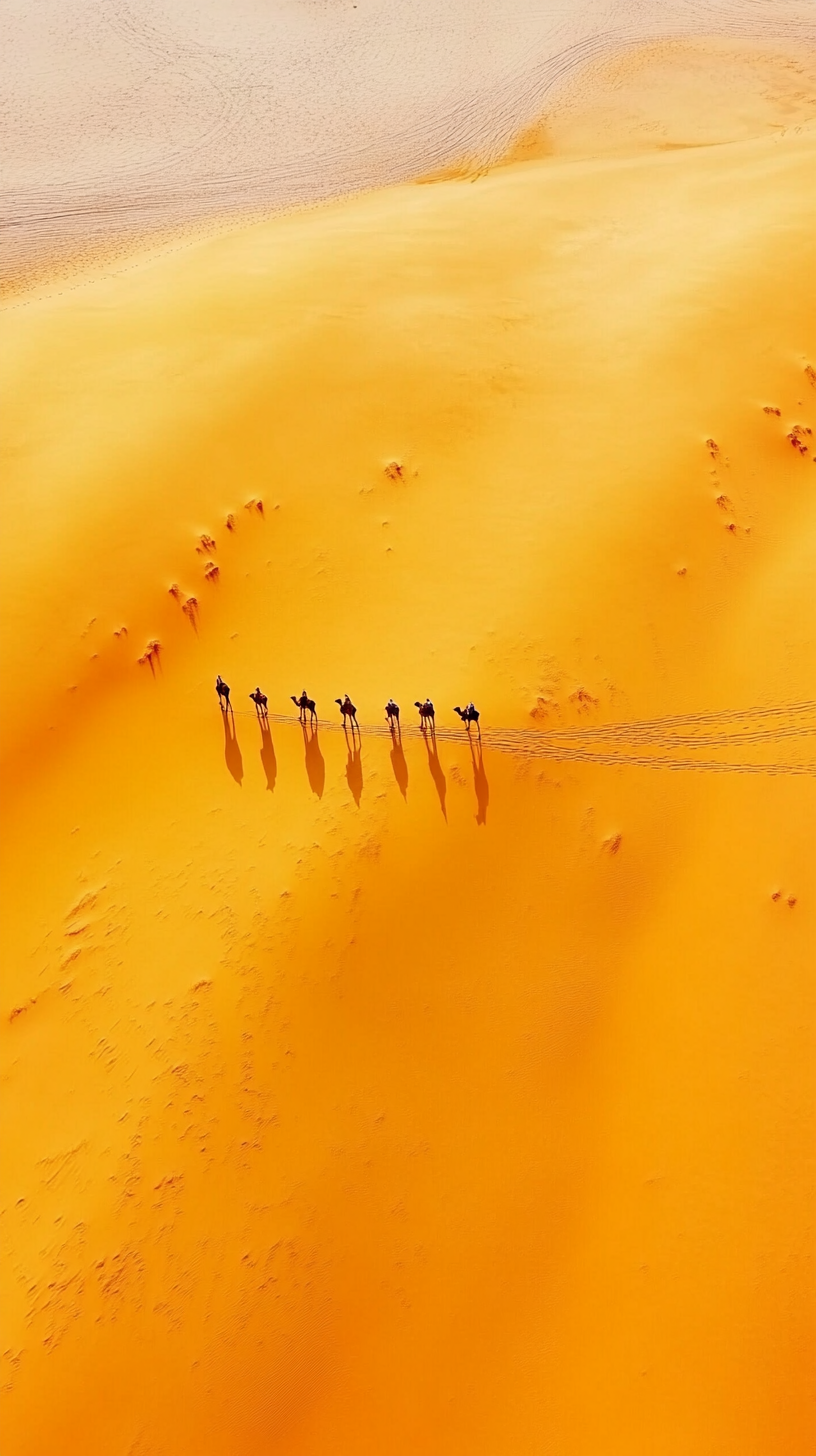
(430, 1097)
(128, 119)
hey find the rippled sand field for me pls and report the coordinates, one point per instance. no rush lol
(423, 1094)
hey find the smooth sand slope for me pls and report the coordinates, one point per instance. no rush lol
(418, 1102)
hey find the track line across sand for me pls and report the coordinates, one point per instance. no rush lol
(726, 730)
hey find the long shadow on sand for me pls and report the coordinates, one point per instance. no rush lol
(398, 763)
(232, 753)
(354, 768)
(268, 759)
(440, 783)
(315, 762)
(480, 783)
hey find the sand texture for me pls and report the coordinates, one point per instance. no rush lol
(427, 1097)
(125, 120)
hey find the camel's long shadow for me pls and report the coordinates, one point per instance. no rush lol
(315, 762)
(440, 783)
(232, 753)
(268, 759)
(398, 763)
(354, 768)
(480, 783)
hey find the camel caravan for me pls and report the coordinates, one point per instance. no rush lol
(307, 710)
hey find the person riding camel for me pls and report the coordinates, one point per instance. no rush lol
(426, 712)
(347, 709)
(469, 715)
(305, 705)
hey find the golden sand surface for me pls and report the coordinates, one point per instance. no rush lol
(423, 1096)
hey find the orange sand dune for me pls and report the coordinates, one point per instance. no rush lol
(418, 1099)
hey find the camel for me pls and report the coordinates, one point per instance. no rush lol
(392, 713)
(426, 712)
(223, 692)
(348, 710)
(306, 705)
(260, 700)
(469, 715)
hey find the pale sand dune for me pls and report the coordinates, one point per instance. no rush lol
(121, 120)
(340, 1128)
